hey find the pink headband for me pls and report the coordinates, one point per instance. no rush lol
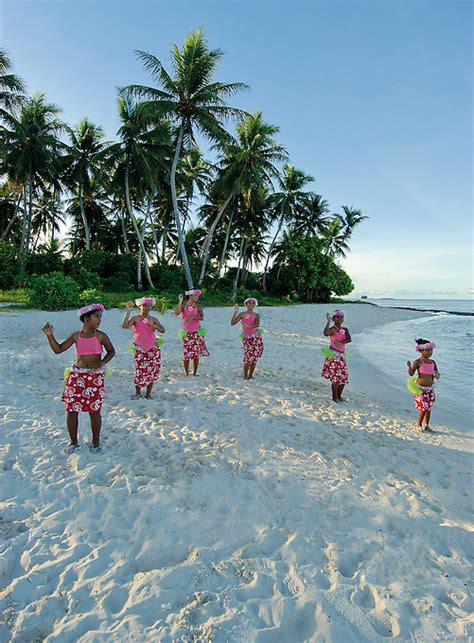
(88, 309)
(338, 313)
(195, 291)
(250, 300)
(145, 300)
(423, 347)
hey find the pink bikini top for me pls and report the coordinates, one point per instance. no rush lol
(248, 325)
(88, 345)
(336, 338)
(190, 325)
(426, 368)
(144, 333)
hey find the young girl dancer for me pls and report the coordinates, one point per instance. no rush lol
(84, 388)
(335, 367)
(427, 373)
(146, 352)
(252, 340)
(193, 343)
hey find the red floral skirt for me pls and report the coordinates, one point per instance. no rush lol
(194, 346)
(253, 348)
(335, 370)
(147, 365)
(425, 400)
(84, 390)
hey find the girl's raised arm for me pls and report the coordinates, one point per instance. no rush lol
(179, 308)
(55, 345)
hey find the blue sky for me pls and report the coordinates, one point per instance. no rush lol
(373, 99)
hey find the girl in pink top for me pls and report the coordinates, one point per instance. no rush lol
(251, 339)
(427, 373)
(335, 367)
(193, 342)
(84, 389)
(146, 352)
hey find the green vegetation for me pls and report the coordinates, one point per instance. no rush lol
(149, 211)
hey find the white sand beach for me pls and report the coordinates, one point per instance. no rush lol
(225, 510)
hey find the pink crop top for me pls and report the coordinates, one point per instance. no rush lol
(190, 325)
(144, 333)
(88, 345)
(248, 325)
(336, 338)
(426, 368)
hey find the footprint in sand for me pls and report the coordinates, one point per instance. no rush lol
(384, 623)
(363, 597)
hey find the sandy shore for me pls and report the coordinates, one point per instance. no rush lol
(226, 510)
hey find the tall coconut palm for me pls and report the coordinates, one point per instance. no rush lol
(32, 147)
(350, 218)
(335, 239)
(286, 203)
(144, 144)
(192, 100)
(12, 86)
(83, 162)
(312, 219)
(247, 162)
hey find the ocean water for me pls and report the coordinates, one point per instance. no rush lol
(389, 347)
(448, 305)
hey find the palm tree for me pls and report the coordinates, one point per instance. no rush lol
(287, 203)
(312, 219)
(350, 218)
(12, 86)
(143, 146)
(83, 158)
(247, 162)
(191, 100)
(46, 215)
(196, 173)
(335, 238)
(32, 147)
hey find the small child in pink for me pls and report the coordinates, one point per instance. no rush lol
(335, 366)
(427, 373)
(251, 339)
(194, 345)
(146, 352)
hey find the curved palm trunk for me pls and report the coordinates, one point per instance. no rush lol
(124, 232)
(24, 222)
(13, 219)
(139, 269)
(135, 227)
(208, 239)
(226, 243)
(174, 199)
(85, 223)
(164, 244)
(236, 280)
(30, 209)
(264, 281)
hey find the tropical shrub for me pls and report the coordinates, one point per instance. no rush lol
(303, 268)
(55, 291)
(95, 296)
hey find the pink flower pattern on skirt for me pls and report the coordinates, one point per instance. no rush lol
(147, 365)
(253, 348)
(425, 400)
(335, 370)
(84, 391)
(194, 346)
